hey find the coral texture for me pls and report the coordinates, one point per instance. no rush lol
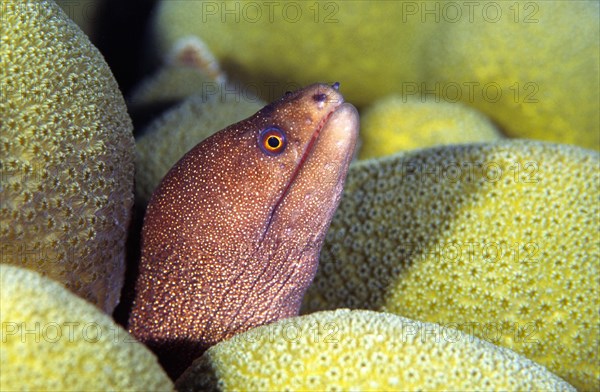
(54, 340)
(66, 152)
(362, 350)
(499, 238)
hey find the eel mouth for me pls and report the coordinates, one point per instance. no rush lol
(342, 121)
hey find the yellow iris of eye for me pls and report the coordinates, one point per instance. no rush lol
(272, 141)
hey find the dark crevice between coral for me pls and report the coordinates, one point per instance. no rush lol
(132, 260)
(121, 36)
(176, 355)
(201, 377)
(143, 115)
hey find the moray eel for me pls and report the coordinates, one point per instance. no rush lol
(232, 234)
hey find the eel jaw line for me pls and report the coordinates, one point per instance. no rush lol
(306, 153)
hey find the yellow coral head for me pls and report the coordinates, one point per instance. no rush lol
(66, 153)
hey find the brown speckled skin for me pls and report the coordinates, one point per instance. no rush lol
(231, 236)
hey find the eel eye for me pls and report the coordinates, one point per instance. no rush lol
(272, 141)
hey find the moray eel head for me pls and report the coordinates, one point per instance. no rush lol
(232, 235)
